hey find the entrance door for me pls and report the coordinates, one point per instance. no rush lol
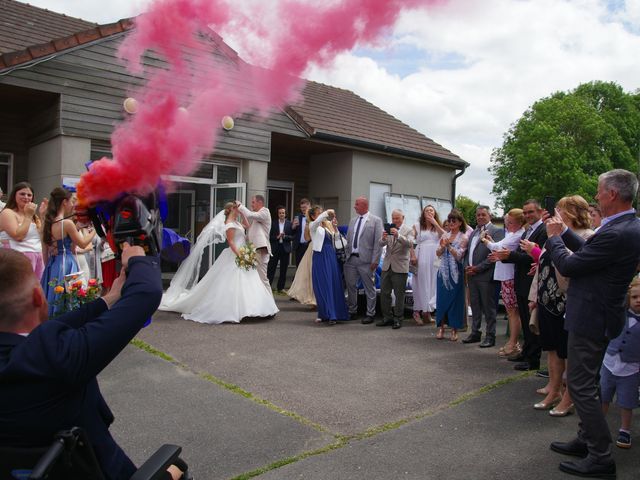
(279, 193)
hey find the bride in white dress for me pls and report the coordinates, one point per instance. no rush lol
(227, 293)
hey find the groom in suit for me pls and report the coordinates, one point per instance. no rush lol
(259, 219)
(48, 368)
(482, 286)
(280, 238)
(363, 255)
(600, 271)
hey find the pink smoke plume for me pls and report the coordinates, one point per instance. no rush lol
(180, 107)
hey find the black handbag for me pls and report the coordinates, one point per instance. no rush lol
(339, 244)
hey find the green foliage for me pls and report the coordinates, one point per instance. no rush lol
(468, 209)
(563, 142)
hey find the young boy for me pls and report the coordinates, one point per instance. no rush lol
(620, 372)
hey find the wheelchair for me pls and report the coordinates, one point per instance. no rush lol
(70, 457)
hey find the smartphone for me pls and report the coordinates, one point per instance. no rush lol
(388, 227)
(550, 205)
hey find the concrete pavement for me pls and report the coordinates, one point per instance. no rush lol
(294, 399)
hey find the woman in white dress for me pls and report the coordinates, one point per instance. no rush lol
(227, 293)
(427, 233)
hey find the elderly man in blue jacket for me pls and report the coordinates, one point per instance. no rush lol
(600, 270)
(48, 368)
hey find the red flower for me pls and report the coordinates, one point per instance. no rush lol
(92, 282)
(82, 293)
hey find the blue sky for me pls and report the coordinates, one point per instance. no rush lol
(462, 72)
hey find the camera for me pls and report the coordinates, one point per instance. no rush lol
(131, 218)
(388, 227)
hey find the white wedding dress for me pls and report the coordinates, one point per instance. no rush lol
(227, 293)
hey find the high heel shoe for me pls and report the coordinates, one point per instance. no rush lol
(417, 318)
(547, 405)
(440, 334)
(555, 412)
(542, 391)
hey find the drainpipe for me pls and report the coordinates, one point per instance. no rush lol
(453, 186)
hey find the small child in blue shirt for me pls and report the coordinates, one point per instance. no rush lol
(620, 372)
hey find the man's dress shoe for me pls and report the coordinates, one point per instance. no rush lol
(472, 338)
(586, 467)
(574, 448)
(353, 316)
(366, 320)
(525, 367)
(488, 343)
(396, 324)
(384, 323)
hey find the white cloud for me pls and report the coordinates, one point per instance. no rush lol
(508, 54)
(511, 54)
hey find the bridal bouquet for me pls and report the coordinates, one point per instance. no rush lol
(247, 257)
(74, 293)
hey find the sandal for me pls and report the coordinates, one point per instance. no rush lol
(454, 336)
(440, 334)
(427, 318)
(417, 318)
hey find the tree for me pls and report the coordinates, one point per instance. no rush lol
(563, 142)
(468, 209)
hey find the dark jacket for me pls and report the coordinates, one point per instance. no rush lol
(600, 270)
(48, 379)
(296, 233)
(523, 261)
(627, 344)
(286, 240)
(483, 266)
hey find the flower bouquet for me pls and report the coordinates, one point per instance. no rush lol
(73, 293)
(247, 258)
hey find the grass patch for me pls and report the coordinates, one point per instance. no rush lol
(153, 351)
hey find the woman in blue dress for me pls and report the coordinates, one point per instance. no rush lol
(325, 272)
(59, 238)
(450, 281)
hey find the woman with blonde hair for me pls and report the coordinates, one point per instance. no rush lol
(505, 272)
(427, 233)
(549, 291)
(325, 271)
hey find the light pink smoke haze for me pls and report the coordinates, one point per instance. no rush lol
(180, 108)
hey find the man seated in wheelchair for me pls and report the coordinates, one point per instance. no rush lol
(48, 367)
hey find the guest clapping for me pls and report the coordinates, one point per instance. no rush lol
(450, 282)
(20, 225)
(427, 233)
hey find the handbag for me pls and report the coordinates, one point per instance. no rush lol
(339, 244)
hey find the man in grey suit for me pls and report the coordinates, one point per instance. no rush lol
(482, 286)
(395, 269)
(363, 254)
(600, 271)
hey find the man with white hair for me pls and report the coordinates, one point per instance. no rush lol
(398, 239)
(600, 271)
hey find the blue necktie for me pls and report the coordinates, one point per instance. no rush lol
(355, 239)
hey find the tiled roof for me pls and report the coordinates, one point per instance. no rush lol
(28, 33)
(326, 112)
(23, 25)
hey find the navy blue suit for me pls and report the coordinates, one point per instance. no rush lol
(48, 378)
(280, 252)
(600, 271)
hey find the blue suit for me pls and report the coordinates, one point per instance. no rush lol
(48, 378)
(600, 271)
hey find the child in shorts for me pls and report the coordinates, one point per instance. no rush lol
(620, 372)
